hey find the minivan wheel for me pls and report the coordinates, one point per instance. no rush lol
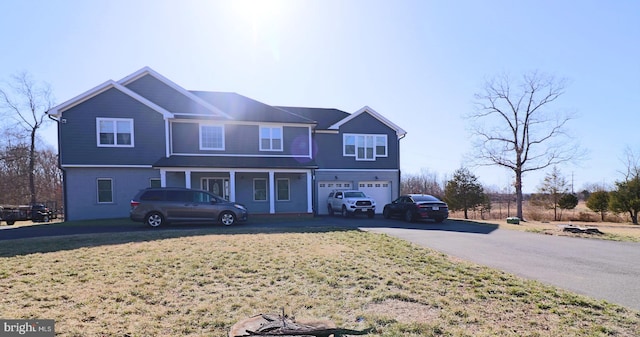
(227, 218)
(154, 219)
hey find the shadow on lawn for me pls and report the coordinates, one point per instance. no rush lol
(52, 237)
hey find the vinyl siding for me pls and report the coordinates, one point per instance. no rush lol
(78, 143)
(329, 146)
(239, 139)
(82, 199)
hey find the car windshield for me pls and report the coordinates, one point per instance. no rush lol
(419, 198)
(354, 195)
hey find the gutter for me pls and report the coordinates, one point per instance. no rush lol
(64, 173)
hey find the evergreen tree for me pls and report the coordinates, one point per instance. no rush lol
(599, 202)
(464, 192)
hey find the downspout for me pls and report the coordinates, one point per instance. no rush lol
(399, 171)
(64, 173)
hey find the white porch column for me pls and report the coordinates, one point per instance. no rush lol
(232, 185)
(163, 178)
(187, 178)
(309, 193)
(272, 193)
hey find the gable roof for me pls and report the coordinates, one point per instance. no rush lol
(399, 131)
(246, 109)
(60, 108)
(324, 117)
(189, 109)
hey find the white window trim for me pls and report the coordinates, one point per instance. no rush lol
(98, 191)
(375, 137)
(270, 138)
(115, 136)
(266, 189)
(288, 189)
(202, 147)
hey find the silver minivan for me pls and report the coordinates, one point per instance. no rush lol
(161, 205)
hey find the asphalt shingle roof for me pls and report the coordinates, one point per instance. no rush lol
(237, 162)
(246, 109)
(324, 117)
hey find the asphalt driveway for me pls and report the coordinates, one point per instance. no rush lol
(599, 269)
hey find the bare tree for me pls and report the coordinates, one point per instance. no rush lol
(26, 103)
(553, 188)
(426, 182)
(514, 127)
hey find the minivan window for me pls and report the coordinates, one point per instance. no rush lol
(183, 196)
(203, 197)
(152, 195)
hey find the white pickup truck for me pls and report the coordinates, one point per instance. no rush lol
(350, 202)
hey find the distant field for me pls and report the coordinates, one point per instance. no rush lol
(200, 282)
(616, 226)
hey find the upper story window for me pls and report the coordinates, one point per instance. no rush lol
(115, 132)
(270, 138)
(211, 137)
(364, 147)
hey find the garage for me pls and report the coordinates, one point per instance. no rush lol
(380, 191)
(324, 188)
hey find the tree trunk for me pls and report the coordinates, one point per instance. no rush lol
(32, 163)
(518, 186)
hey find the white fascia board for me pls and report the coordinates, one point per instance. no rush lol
(399, 131)
(106, 166)
(58, 110)
(148, 71)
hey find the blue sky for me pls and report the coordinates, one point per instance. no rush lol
(419, 63)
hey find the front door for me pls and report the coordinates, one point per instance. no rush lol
(217, 186)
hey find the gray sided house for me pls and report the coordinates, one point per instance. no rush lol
(144, 130)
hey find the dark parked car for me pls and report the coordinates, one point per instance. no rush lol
(412, 207)
(162, 205)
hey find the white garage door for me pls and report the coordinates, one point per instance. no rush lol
(325, 187)
(380, 191)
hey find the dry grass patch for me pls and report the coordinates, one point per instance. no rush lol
(612, 231)
(199, 283)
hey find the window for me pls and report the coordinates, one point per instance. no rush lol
(349, 145)
(115, 132)
(211, 137)
(270, 138)
(105, 190)
(381, 145)
(154, 182)
(364, 147)
(259, 189)
(282, 193)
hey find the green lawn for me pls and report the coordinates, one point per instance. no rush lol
(200, 282)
